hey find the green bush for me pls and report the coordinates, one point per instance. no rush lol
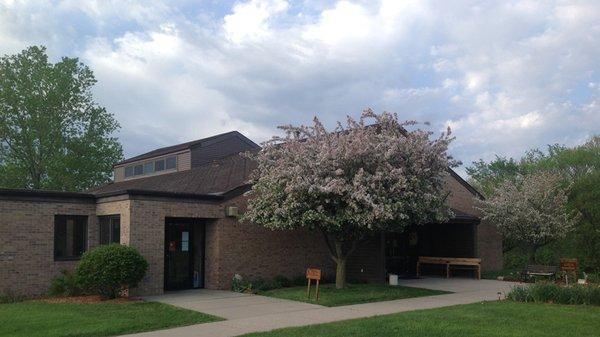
(108, 269)
(515, 259)
(299, 280)
(259, 285)
(238, 284)
(547, 255)
(10, 297)
(593, 277)
(553, 293)
(519, 294)
(280, 281)
(65, 284)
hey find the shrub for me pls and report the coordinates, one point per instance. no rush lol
(547, 255)
(553, 293)
(519, 294)
(238, 284)
(299, 280)
(593, 277)
(65, 284)
(10, 297)
(281, 281)
(515, 259)
(108, 269)
(544, 292)
(259, 285)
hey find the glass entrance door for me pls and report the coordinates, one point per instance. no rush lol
(178, 255)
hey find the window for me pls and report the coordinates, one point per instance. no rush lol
(168, 163)
(159, 165)
(70, 236)
(149, 167)
(128, 171)
(171, 162)
(110, 229)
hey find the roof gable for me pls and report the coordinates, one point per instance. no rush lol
(199, 143)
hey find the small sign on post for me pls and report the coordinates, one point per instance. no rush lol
(569, 267)
(313, 274)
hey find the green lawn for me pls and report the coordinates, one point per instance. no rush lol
(354, 293)
(488, 319)
(35, 318)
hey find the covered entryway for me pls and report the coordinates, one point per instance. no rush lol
(451, 239)
(184, 253)
(398, 252)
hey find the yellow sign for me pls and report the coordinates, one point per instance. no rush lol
(568, 264)
(313, 274)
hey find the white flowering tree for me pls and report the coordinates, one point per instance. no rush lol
(531, 210)
(363, 177)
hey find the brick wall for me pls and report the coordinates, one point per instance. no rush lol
(489, 244)
(26, 243)
(256, 252)
(27, 246)
(147, 234)
(489, 240)
(231, 246)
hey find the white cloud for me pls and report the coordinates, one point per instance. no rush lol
(250, 21)
(506, 75)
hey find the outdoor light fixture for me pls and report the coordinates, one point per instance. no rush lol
(231, 211)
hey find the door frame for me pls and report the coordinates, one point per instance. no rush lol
(194, 224)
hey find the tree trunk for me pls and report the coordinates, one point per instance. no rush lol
(340, 251)
(340, 273)
(531, 258)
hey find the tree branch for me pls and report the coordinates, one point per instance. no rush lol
(329, 246)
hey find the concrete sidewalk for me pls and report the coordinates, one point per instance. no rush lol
(252, 313)
(231, 305)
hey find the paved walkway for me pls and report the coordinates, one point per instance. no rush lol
(253, 313)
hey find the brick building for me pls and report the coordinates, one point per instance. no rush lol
(177, 206)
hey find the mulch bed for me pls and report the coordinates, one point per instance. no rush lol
(88, 299)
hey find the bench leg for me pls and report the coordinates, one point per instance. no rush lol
(479, 272)
(447, 270)
(418, 269)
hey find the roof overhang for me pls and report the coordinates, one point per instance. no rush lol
(45, 195)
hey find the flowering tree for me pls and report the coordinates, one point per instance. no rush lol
(531, 210)
(350, 182)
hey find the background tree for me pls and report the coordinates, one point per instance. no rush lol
(52, 133)
(531, 210)
(351, 182)
(486, 177)
(579, 167)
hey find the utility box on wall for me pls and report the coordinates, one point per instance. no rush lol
(231, 211)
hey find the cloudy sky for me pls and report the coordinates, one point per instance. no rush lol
(505, 76)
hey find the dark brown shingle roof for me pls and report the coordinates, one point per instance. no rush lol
(216, 178)
(188, 145)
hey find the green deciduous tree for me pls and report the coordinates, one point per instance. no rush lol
(579, 168)
(52, 133)
(350, 182)
(531, 210)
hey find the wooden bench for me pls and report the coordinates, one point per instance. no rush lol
(539, 270)
(450, 261)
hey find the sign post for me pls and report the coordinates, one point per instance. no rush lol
(569, 266)
(313, 274)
